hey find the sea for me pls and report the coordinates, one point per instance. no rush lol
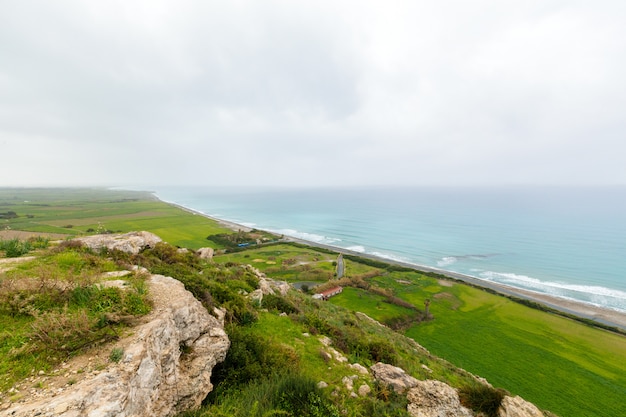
(567, 242)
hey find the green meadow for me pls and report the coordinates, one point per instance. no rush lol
(567, 367)
(559, 364)
(85, 211)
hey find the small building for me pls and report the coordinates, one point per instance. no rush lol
(325, 295)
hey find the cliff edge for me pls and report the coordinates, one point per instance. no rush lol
(165, 367)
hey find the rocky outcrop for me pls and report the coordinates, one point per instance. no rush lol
(205, 253)
(132, 242)
(518, 407)
(165, 369)
(393, 376)
(435, 399)
(266, 286)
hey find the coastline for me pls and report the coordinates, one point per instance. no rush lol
(580, 309)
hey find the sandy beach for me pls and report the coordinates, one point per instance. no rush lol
(601, 315)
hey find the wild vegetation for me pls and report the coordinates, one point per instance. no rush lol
(13, 248)
(54, 307)
(562, 365)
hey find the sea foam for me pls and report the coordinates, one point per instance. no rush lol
(591, 294)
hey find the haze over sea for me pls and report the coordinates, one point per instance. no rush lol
(565, 242)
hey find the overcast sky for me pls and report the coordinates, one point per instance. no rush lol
(312, 93)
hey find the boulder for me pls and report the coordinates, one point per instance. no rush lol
(364, 390)
(132, 242)
(393, 376)
(518, 407)
(165, 370)
(359, 368)
(205, 253)
(435, 399)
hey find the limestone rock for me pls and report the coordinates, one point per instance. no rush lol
(435, 399)
(132, 242)
(268, 285)
(155, 377)
(348, 383)
(265, 286)
(325, 340)
(427, 369)
(359, 368)
(205, 253)
(337, 355)
(518, 407)
(256, 296)
(396, 377)
(364, 390)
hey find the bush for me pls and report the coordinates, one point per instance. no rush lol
(251, 357)
(39, 242)
(15, 247)
(278, 303)
(482, 398)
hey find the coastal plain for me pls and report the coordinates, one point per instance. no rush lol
(560, 364)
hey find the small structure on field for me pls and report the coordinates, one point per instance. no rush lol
(325, 295)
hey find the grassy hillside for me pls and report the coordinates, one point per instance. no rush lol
(559, 364)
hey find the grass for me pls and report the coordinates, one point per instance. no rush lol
(53, 210)
(55, 309)
(286, 262)
(561, 365)
(373, 305)
(519, 347)
(557, 363)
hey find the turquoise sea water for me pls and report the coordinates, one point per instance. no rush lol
(566, 242)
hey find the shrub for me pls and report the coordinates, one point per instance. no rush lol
(278, 303)
(39, 242)
(116, 354)
(63, 331)
(251, 357)
(482, 398)
(15, 247)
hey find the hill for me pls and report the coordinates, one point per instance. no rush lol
(525, 351)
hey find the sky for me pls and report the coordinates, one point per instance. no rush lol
(312, 93)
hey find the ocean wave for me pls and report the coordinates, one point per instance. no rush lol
(447, 260)
(591, 294)
(389, 256)
(356, 248)
(307, 236)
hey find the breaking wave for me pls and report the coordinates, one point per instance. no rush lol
(591, 294)
(307, 236)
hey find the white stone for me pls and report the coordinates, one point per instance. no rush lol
(132, 242)
(360, 368)
(364, 390)
(156, 381)
(391, 375)
(435, 399)
(518, 407)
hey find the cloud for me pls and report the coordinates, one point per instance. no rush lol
(288, 93)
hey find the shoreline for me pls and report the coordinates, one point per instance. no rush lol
(601, 315)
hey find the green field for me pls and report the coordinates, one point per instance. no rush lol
(559, 364)
(84, 211)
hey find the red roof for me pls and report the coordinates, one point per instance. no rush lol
(331, 291)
